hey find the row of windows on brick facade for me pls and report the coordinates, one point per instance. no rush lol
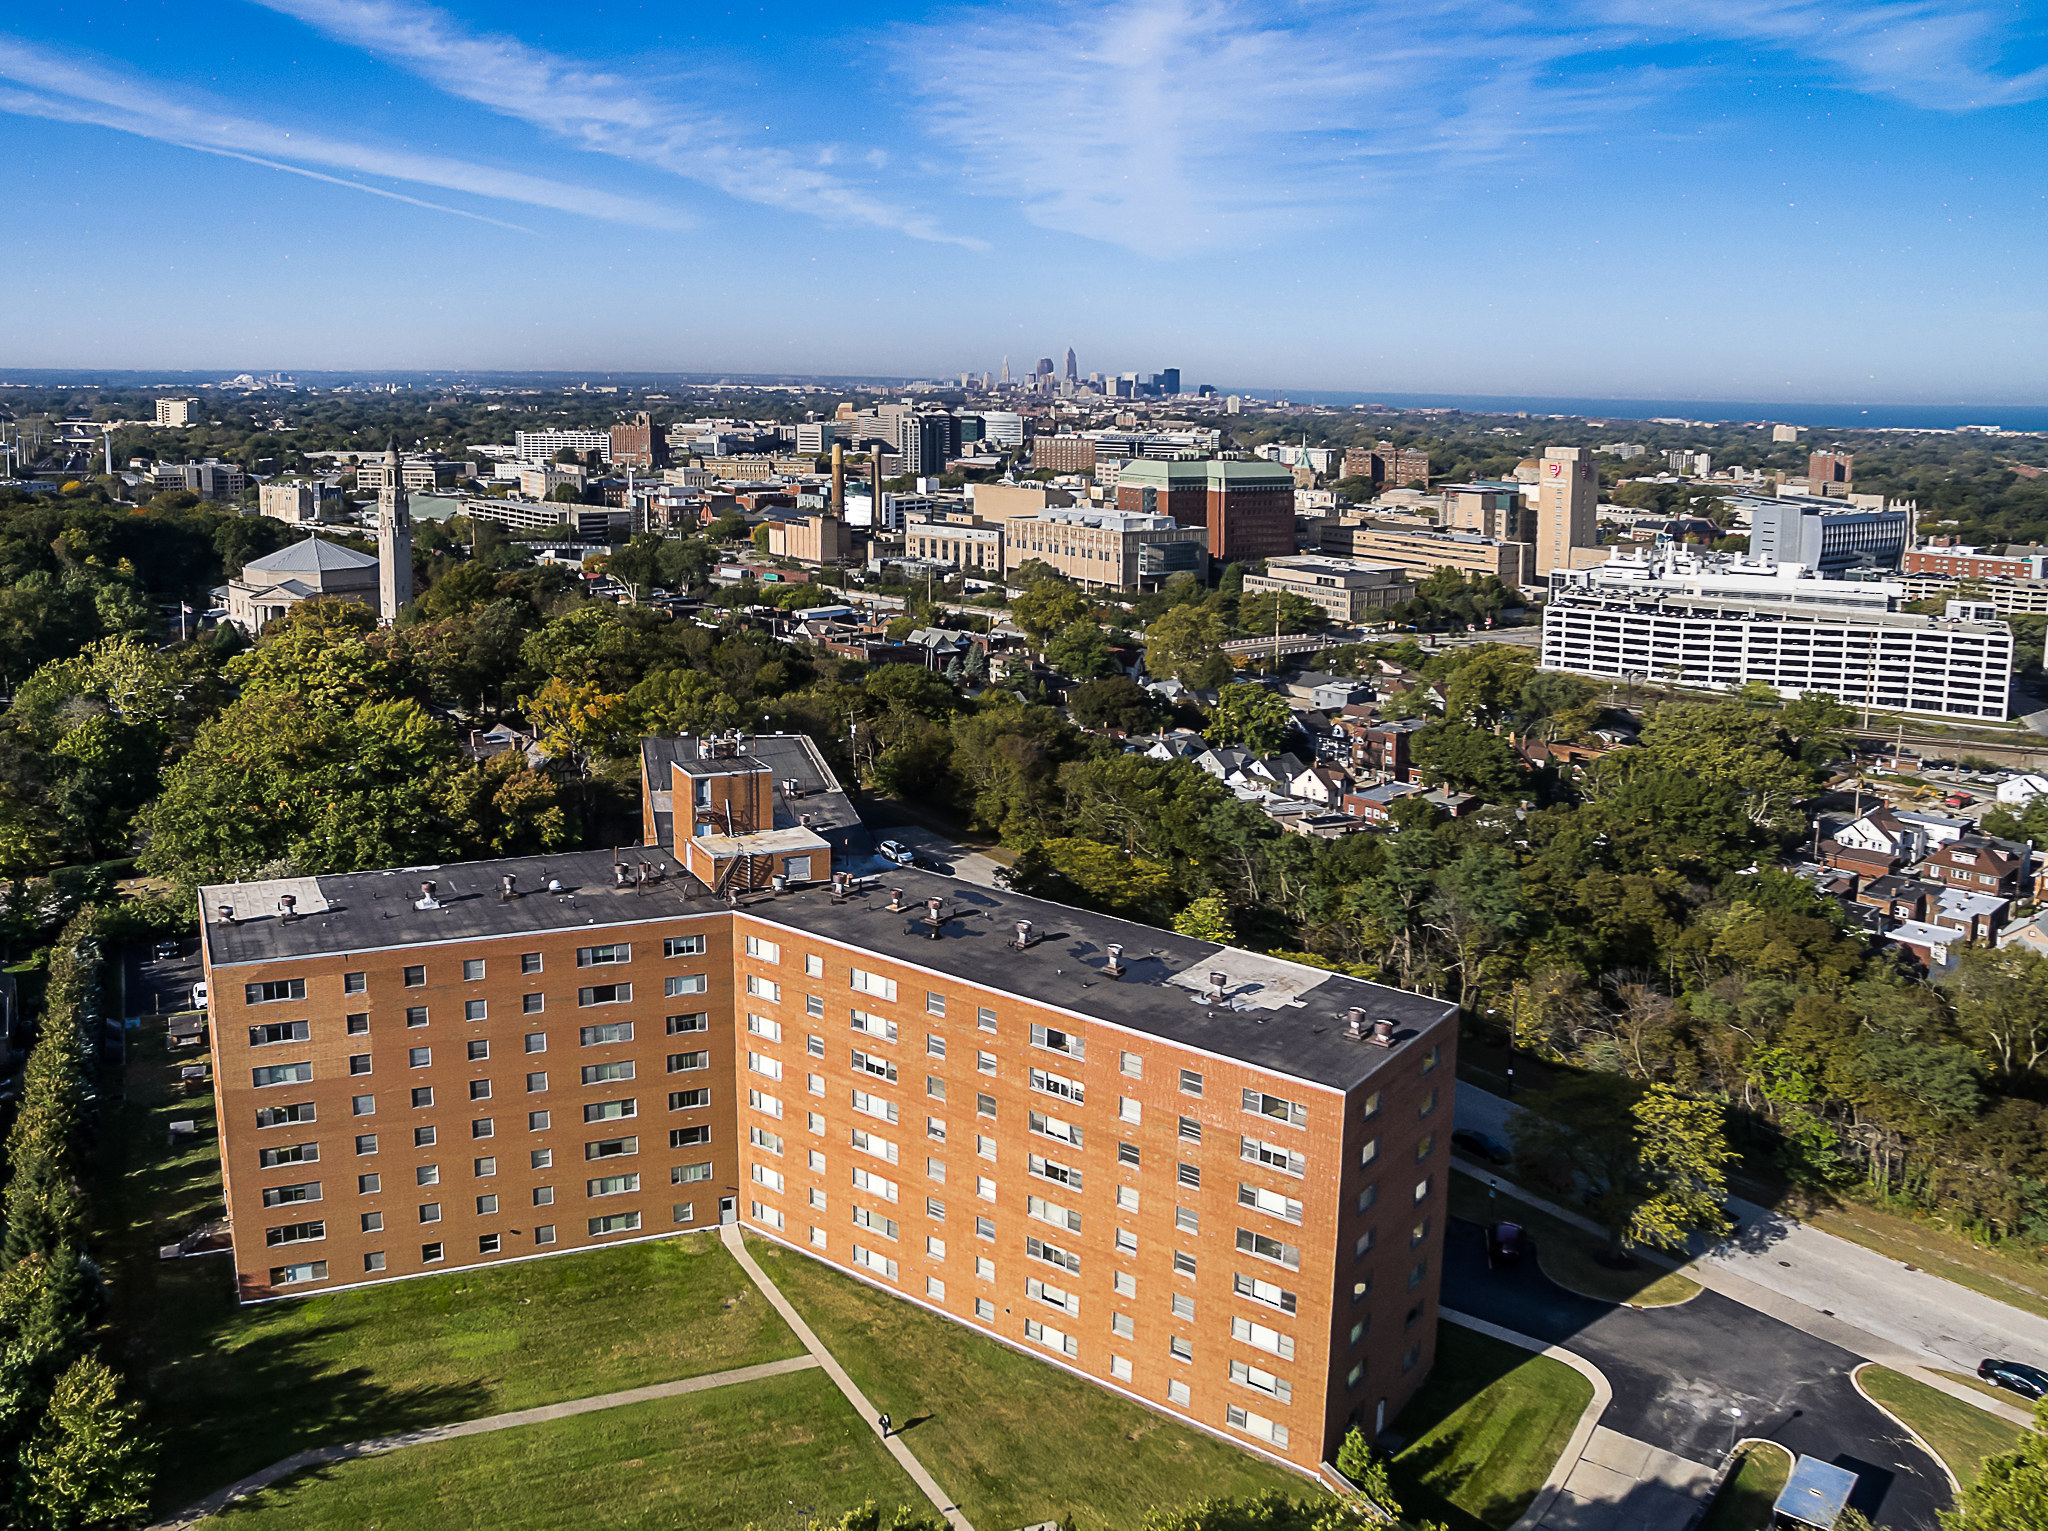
(281, 990)
(301, 1071)
(1041, 1080)
(1258, 1198)
(357, 1024)
(435, 1253)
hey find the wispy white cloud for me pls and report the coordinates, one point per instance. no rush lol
(56, 88)
(1171, 125)
(605, 113)
(1930, 54)
(1175, 125)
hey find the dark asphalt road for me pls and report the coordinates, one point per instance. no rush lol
(155, 987)
(1678, 1373)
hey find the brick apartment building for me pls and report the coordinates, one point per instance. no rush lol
(1388, 464)
(1975, 563)
(1248, 507)
(639, 443)
(1831, 467)
(1064, 454)
(1187, 1173)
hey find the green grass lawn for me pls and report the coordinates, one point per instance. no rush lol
(231, 1390)
(1015, 1441)
(1569, 1255)
(1745, 1500)
(760, 1454)
(1961, 1434)
(1484, 1431)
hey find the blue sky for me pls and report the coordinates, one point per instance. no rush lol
(1700, 198)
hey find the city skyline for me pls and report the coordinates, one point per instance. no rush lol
(1719, 201)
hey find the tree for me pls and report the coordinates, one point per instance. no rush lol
(1268, 1511)
(1653, 1157)
(1728, 744)
(682, 701)
(1114, 701)
(576, 721)
(276, 780)
(1682, 1151)
(1457, 755)
(1250, 716)
(1186, 643)
(1297, 614)
(2011, 1489)
(1047, 607)
(1488, 688)
(1089, 872)
(1080, 651)
(89, 1463)
(1356, 1462)
(1207, 919)
(2001, 1000)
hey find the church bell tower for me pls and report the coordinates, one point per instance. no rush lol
(394, 541)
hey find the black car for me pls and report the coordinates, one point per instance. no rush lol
(1480, 1146)
(1504, 1243)
(2027, 1381)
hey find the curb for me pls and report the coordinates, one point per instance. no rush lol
(1729, 1466)
(1856, 1380)
(1582, 1433)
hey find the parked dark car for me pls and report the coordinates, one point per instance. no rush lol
(1480, 1146)
(1504, 1243)
(167, 951)
(2017, 1376)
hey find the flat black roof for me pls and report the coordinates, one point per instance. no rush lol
(1277, 1015)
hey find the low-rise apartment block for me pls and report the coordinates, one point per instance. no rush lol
(299, 501)
(1210, 1180)
(966, 542)
(815, 540)
(1348, 591)
(1423, 552)
(1107, 547)
(1976, 563)
(1999, 594)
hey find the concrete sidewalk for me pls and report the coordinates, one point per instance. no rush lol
(321, 1456)
(861, 1406)
(1829, 1288)
(1604, 1480)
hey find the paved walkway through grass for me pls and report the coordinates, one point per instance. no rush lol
(861, 1406)
(321, 1456)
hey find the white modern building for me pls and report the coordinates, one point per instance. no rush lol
(1717, 625)
(1005, 429)
(543, 445)
(1826, 534)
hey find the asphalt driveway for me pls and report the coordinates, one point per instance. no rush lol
(1696, 1378)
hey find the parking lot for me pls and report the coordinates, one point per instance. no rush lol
(161, 985)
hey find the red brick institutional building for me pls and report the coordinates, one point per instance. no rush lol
(1207, 1179)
